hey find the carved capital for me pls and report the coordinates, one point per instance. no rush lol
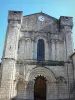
(52, 40)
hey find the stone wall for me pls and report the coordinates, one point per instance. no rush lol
(56, 80)
(19, 62)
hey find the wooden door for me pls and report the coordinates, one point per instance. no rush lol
(40, 88)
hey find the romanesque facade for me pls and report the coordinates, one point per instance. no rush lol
(38, 61)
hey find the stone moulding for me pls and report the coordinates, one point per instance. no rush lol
(43, 63)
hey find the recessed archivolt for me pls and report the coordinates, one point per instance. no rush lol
(43, 71)
(61, 79)
(37, 37)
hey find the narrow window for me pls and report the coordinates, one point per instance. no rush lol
(40, 50)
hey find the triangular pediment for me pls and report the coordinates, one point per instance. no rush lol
(39, 22)
(43, 14)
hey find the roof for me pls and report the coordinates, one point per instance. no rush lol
(41, 14)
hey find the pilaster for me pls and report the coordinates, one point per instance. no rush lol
(10, 55)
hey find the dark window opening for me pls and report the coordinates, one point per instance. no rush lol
(40, 50)
(66, 18)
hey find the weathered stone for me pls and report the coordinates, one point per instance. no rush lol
(19, 67)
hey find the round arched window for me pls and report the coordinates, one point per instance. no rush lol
(40, 50)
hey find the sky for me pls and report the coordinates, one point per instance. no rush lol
(54, 8)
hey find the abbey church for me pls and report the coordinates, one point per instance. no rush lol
(38, 61)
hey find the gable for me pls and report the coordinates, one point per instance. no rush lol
(39, 22)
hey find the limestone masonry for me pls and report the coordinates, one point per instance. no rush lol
(38, 61)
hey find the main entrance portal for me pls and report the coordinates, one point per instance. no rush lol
(40, 88)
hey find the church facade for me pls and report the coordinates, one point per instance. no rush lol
(38, 61)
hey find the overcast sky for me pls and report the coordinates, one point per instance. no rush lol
(55, 8)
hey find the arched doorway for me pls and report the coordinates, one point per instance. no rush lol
(40, 88)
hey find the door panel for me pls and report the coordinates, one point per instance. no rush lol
(40, 89)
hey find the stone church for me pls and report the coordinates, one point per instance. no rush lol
(38, 61)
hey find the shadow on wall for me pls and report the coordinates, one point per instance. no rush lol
(72, 89)
(28, 89)
(23, 92)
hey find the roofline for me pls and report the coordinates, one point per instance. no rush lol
(41, 13)
(14, 11)
(72, 54)
(66, 16)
